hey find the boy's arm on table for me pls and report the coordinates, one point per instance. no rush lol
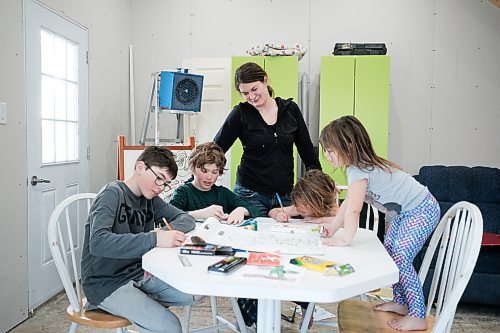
(178, 219)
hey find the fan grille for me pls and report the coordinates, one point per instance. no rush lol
(186, 91)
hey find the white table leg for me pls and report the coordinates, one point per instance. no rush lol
(277, 316)
(269, 316)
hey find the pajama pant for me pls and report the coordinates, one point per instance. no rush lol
(406, 235)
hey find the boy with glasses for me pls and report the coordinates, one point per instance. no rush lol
(119, 230)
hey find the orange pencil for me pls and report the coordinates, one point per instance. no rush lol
(167, 224)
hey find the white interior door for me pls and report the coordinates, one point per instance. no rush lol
(215, 103)
(57, 121)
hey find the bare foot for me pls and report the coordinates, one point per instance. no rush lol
(408, 323)
(392, 307)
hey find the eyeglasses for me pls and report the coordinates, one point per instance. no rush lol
(160, 181)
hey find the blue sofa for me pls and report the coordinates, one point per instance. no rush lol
(480, 186)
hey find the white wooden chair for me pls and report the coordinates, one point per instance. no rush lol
(63, 244)
(62, 241)
(458, 241)
(373, 227)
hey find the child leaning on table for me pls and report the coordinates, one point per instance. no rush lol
(120, 230)
(314, 196)
(201, 198)
(381, 183)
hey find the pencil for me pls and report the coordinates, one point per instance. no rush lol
(281, 203)
(167, 224)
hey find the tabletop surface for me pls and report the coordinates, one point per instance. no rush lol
(373, 269)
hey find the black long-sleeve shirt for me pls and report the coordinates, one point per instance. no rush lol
(267, 162)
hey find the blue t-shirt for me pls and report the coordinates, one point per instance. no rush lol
(390, 192)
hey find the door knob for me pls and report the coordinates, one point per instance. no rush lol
(35, 180)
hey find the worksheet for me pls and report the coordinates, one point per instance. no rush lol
(212, 231)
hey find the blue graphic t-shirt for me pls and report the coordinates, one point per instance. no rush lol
(390, 192)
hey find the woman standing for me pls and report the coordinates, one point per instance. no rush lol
(268, 128)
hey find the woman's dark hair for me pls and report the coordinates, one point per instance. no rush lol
(248, 73)
(160, 157)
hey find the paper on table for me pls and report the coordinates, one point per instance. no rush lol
(212, 231)
(294, 228)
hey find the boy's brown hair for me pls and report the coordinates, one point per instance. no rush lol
(207, 153)
(160, 157)
(316, 191)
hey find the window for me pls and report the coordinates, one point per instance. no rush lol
(59, 104)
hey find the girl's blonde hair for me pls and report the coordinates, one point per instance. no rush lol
(348, 138)
(316, 191)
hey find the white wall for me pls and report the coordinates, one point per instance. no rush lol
(444, 101)
(13, 218)
(108, 23)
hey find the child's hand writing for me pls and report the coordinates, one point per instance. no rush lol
(169, 238)
(279, 215)
(282, 217)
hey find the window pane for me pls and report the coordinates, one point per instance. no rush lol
(59, 57)
(59, 104)
(47, 97)
(47, 141)
(47, 50)
(72, 101)
(72, 62)
(60, 99)
(72, 141)
(61, 140)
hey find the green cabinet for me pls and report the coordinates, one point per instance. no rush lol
(359, 86)
(283, 78)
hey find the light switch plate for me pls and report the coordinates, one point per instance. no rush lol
(3, 113)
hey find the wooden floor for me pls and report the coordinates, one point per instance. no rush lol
(50, 318)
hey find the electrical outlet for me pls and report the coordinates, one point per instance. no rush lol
(3, 113)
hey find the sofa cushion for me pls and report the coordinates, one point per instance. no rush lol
(478, 185)
(461, 183)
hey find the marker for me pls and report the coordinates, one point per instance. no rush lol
(167, 224)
